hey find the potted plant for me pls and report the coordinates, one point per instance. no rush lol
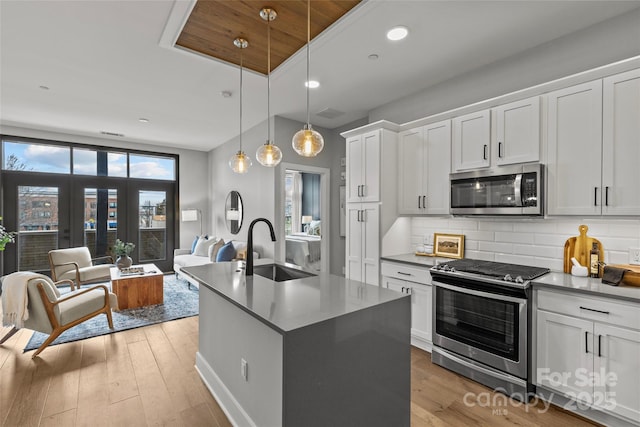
(122, 250)
(6, 237)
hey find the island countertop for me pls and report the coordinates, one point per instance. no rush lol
(286, 306)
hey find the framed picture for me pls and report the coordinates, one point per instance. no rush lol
(448, 245)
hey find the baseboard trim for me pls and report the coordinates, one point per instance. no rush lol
(230, 406)
(421, 343)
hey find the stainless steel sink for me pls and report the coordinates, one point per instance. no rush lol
(280, 273)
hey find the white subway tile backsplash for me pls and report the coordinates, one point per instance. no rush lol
(507, 236)
(531, 241)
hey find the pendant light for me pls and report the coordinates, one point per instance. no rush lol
(240, 162)
(308, 142)
(268, 154)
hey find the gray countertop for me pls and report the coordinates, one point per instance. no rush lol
(286, 306)
(420, 261)
(586, 285)
(553, 280)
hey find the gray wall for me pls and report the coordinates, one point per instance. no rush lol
(260, 187)
(194, 185)
(610, 41)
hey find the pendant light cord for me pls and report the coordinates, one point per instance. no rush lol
(268, 78)
(308, 55)
(241, 99)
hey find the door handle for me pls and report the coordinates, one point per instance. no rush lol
(606, 196)
(484, 152)
(586, 342)
(595, 196)
(424, 202)
(500, 149)
(599, 345)
(593, 309)
(419, 202)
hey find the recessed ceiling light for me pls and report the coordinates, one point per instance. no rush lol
(226, 94)
(143, 120)
(373, 56)
(43, 87)
(397, 33)
(312, 84)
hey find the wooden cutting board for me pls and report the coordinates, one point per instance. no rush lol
(579, 247)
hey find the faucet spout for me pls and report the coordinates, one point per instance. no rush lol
(249, 267)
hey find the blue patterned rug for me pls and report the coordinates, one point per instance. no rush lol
(179, 302)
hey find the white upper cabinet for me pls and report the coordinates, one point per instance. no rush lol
(621, 144)
(471, 141)
(517, 136)
(574, 151)
(593, 135)
(363, 173)
(424, 156)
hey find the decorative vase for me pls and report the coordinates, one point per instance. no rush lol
(123, 261)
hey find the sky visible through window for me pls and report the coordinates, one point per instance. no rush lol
(56, 159)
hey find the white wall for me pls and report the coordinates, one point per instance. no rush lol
(610, 41)
(192, 167)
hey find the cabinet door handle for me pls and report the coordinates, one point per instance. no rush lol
(363, 188)
(586, 342)
(606, 196)
(500, 149)
(403, 289)
(484, 152)
(419, 207)
(359, 190)
(359, 215)
(599, 345)
(424, 202)
(408, 291)
(405, 274)
(364, 218)
(593, 309)
(595, 196)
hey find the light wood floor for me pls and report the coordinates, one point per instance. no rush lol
(146, 377)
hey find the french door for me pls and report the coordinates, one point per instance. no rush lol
(51, 211)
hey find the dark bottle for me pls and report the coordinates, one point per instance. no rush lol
(594, 261)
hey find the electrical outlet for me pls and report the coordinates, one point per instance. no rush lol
(244, 369)
(634, 256)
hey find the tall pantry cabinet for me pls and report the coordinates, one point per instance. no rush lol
(371, 199)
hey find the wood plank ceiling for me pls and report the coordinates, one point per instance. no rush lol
(214, 24)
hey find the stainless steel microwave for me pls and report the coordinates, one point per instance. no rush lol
(505, 190)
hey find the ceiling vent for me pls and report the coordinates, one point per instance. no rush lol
(104, 132)
(330, 113)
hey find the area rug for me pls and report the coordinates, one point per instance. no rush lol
(180, 301)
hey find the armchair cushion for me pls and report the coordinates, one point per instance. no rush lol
(88, 274)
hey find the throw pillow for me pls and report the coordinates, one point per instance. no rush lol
(213, 250)
(193, 245)
(202, 248)
(226, 253)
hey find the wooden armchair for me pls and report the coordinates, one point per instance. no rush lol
(52, 313)
(76, 264)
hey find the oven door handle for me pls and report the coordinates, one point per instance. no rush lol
(479, 293)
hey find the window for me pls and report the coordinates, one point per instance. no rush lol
(85, 162)
(152, 167)
(19, 156)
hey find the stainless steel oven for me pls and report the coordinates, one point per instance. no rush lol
(506, 190)
(481, 323)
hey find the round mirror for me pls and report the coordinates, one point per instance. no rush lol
(233, 212)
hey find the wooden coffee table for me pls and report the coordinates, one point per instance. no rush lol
(140, 289)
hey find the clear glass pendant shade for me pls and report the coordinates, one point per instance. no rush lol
(269, 155)
(240, 162)
(307, 142)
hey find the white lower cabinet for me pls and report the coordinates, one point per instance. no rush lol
(415, 281)
(588, 350)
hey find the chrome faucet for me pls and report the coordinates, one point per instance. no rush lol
(249, 267)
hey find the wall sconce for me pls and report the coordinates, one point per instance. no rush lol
(190, 215)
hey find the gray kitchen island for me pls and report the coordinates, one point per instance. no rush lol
(313, 351)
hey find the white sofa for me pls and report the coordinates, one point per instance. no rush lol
(185, 258)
